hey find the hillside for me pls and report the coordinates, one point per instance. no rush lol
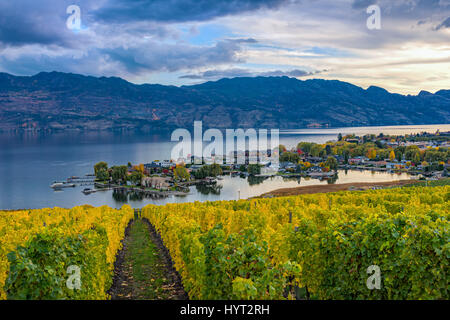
(55, 101)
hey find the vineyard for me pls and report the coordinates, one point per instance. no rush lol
(316, 246)
(37, 247)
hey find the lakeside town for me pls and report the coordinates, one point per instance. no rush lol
(423, 156)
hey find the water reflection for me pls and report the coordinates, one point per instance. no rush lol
(208, 189)
(253, 180)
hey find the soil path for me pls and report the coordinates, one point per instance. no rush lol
(334, 188)
(143, 268)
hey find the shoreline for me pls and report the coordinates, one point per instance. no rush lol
(352, 186)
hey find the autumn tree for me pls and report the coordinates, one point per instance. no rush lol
(392, 155)
(372, 153)
(180, 173)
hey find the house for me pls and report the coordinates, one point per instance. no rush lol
(358, 160)
(167, 164)
(380, 164)
(394, 165)
(355, 161)
(288, 165)
(155, 182)
(352, 140)
(314, 159)
(153, 165)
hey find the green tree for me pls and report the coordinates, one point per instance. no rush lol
(289, 157)
(316, 150)
(119, 173)
(211, 170)
(102, 175)
(215, 170)
(411, 151)
(136, 177)
(346, 155)
(100, 166)
(416, 158)
(332, 163)
(305, 146)
(254, 169)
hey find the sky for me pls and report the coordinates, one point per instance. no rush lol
(183, 42)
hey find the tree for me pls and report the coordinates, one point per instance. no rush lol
(305, 146)
(372, 154)
(416, 158)
(392, 155)
(315, 150)
(102, 175)
(332, 163)
(289, 157)
(215, 170)
(136, 177)
(346, 154)
(411, 151)
(180, 172)
(212, 170)
(119, 173)
(100, 166)
(139, 167)
(254, 169)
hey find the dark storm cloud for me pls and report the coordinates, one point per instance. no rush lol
(238, 72)
(25, 22)
(43, 22)
(122, 11)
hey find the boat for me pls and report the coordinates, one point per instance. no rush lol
(59, 185)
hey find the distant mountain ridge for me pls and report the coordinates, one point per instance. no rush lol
(61, 101)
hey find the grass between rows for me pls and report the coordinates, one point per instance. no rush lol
(147, 267)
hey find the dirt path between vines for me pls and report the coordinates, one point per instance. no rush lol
(143, 268)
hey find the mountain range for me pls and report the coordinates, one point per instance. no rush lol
(62, 101)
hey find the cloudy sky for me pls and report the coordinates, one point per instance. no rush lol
(191, 41)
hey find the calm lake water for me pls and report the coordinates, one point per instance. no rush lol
(30, 162)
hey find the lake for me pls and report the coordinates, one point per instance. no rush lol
(30, 162)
